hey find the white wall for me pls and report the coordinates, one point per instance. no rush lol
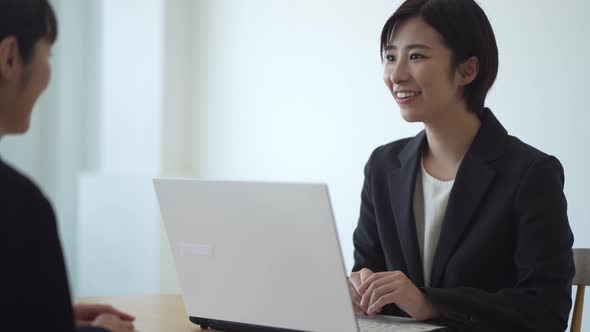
(118, 219)
(178, 113)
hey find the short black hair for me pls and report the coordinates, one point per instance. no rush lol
(28, 21)
(465, 30)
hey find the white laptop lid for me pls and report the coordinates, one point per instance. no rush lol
(257, 253)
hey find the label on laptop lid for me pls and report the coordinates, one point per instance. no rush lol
(194, 249)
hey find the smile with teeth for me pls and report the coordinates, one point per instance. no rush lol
(406, 94)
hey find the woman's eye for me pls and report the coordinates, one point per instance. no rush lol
(416, 56)
(390, 58)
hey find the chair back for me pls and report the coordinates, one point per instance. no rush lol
(581, 280)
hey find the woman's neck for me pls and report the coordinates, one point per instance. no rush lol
(449, 138)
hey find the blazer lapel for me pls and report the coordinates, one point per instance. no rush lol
(401, 186)
(474, 177)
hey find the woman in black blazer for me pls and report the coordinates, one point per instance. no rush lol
(35, 295)
(495, 217)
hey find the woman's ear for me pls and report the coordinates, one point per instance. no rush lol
(9, 58)
(468, 70)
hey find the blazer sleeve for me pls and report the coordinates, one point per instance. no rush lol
(55, 310)
(368, 252)
(541, 297)
(52, 304)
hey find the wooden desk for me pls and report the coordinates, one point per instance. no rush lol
(154, 313)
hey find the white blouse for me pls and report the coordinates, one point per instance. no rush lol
(431, 197)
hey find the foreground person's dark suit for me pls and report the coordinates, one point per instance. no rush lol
(504, 259)
(35, 294)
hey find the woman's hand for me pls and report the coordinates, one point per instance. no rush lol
(113, 323)
(354, 282)
(383, 288)
(102, 314)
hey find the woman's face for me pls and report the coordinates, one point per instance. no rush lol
(21, 86)
(418, 72)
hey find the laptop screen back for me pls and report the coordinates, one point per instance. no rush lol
(257, 253)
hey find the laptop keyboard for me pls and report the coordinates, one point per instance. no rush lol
(378, 325)
(374, 326)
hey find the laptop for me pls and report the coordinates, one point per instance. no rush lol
(256, 256)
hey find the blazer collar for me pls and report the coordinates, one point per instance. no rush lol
(471, 184)
(402, 181)
(487, 145)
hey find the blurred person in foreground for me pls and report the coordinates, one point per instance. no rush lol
(36, 295)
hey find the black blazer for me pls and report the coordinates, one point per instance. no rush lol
(35, 294)
(504, 258)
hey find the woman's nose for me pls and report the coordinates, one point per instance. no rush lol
(399, 72)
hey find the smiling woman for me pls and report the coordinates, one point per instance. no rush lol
(462, 223)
